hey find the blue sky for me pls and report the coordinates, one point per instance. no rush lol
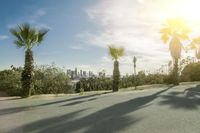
(65, 19)
(80, 31)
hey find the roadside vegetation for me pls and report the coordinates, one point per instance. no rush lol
(48, 79)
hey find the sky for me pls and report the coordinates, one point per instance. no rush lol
(81, 30)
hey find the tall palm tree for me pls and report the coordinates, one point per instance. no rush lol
(195, 44)
(173, 33)
(27, 37)
(116, 53)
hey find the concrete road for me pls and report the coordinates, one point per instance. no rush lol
(161, 110)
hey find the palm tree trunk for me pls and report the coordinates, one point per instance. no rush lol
(116, 76)
(27, 74)
(176, 75)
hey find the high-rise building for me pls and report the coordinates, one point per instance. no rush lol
(76, 72)
(72, 74)
(84, 74)
(81, 73)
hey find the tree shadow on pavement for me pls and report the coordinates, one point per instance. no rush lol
(188, 99)
(193, 92)
(8, 111)
(79, 102)
(70, 99)
(12, 110)
(108, 120)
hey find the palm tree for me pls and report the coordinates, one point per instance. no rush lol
(134, 62)
(195, 44)
(116, 53)
(173, 33)
(27, 37)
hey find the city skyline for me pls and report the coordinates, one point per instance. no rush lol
(79, 73)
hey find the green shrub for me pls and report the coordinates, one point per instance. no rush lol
(46, 80)
(50, 80)
(94, 84)
(191, 72)
(10, 81)
(104, 83)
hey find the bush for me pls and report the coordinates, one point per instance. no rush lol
(103, 83)
(94, 84)
(191, 72)
(10, 81)
(50, 80)
(47, 80)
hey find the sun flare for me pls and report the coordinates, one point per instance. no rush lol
(186, 9)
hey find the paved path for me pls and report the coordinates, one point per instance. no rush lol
(163, 110)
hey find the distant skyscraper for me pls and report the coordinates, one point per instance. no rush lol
(81, 73)
(84, 74)
(76, 72)
(72, 74)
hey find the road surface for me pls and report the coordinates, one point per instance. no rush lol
(161, 110)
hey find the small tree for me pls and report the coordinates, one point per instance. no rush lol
(116, 53)
(135, 78)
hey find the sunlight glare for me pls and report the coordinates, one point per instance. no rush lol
(185, 9)
(189, 10)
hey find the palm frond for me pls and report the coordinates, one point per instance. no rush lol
(24, 31)
(27, 36)
(115, 52)
(41, 35)
(183, 36)
(173, 32)
(16, 33)
(18, 43)
(120, 51)
(165, 38)
(165, 30)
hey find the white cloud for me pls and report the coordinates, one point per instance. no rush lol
(33, 19)
(77, 47)
(132, 24)
(3, 37)
(37, 15)
(40, 25)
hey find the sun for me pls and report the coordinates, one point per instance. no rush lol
(189, 10)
